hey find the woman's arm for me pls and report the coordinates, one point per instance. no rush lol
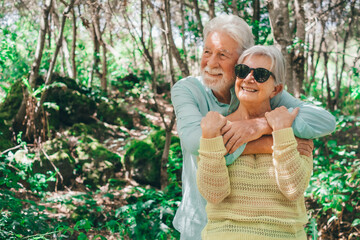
(212, 174)
(292, 170)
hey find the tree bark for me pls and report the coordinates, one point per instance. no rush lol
(175, 52)
(58, 46)
(34, 74)
(19, 123)
(280, 24)
(198, 17)
(299, 52)
(73, 44)
(211, 8)
(256, 19)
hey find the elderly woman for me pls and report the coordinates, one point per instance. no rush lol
(259, 196)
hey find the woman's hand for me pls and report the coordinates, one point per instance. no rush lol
(280, 118)
(212, 124)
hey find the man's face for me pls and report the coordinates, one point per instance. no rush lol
(218, 61)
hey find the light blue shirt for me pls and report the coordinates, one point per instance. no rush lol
(192, 100)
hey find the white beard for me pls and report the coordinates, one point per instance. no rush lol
(216, 84)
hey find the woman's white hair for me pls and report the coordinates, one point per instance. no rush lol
(277, 60)
(234, 26)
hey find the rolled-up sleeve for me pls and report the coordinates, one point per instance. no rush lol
(311, 122)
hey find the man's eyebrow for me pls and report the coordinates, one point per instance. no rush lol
(225, 51)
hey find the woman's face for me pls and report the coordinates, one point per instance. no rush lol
(251, 91)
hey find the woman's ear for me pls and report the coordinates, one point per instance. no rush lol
(277, 89)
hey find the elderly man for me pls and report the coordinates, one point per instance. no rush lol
(226, 37)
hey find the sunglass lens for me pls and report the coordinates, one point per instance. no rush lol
(242, 70)
(261, 75)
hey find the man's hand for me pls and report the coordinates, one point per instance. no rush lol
(212, 124)
(238, 133)
(305, 146)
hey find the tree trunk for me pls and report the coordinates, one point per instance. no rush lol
(299, 52)
(164, 179)
(34, 74)
(197, 14)
(175, 52)
(280, 24)
(345, 41)
(58, 46)
(211, 8)
(73, 45)
(98, 33)
(183, 31)
(256, 19)
(19, 123)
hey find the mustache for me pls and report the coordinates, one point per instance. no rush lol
(213, 71)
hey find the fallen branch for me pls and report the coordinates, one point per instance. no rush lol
(56, 170)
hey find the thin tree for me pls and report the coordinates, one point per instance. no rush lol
(20, 122)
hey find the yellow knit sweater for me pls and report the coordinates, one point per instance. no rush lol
(257, 197)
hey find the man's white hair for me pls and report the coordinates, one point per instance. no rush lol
(234, 26)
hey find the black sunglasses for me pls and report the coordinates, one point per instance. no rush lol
(261, 75)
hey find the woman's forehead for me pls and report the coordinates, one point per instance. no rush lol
(257, 60)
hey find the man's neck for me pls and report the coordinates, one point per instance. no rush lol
(223, 96)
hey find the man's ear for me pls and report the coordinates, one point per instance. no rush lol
(277, 89)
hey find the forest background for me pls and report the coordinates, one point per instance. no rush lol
(88, 142)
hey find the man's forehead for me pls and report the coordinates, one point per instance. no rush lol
(224, 50)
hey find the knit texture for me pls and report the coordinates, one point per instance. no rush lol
(257, 197)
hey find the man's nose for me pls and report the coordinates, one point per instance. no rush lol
(213, 61)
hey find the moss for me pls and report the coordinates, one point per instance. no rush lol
(97, 130)
(11, 105)
(74, 107)
(114, 114)
(95, 163)
(143, 161)
(5, 136)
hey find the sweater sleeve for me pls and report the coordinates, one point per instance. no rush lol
(292, 170)
(212, 174)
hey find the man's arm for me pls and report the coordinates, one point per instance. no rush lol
(311, 122)
(265, 143)
(188, 117)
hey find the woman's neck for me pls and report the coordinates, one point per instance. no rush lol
(249, 111)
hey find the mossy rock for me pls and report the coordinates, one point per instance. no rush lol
(74, 107)
(97, 130)
(95, 163)
(127, 82)
(70, 83)
(12, 102)
(5, 136)
(143, 161)
(114, 114)
(58, 152)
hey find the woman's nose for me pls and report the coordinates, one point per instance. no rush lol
(250, 76)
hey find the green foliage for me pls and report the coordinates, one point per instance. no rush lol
(335, 181)
(148, 216)
(149, 213)
(13, 63)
